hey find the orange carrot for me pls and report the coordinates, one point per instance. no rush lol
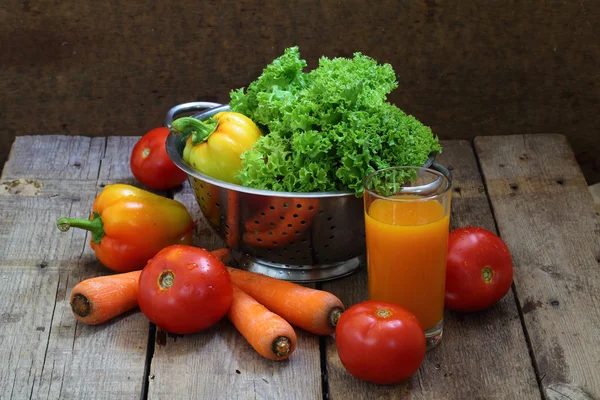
(313, 310)
(99, 299)
(269, 334)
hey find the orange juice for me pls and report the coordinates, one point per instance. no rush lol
(407, 242)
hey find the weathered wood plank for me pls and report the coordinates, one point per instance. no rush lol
(546, 215)
(487, 347)
(53, 157)
(220, 364)
(50, 355)
(115, 163)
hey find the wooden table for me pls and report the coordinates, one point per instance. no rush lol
(540, 341)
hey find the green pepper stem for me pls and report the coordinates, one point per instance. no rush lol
(199, 130)
(94, 225)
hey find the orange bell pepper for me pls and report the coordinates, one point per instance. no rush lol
(129, 226)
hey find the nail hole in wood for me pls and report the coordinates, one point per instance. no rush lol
(560, 181)
(514, 186)
(555, 303)
(457, 190)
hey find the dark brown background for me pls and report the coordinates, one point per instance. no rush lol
(465, 68)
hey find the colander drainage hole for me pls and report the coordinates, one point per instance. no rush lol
(329, 218)
(320, 212)
(282, 217)
(295, 215)
(298, 205)
(332, 227)
(311, 208)
(218, 205)
(271, 207)
(263, 213)
(331, 237)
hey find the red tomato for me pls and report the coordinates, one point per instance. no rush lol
(150, 163)
(380, 342)
(184, 289)
(479, 269)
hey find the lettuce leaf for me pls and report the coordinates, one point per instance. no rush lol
(328, 128)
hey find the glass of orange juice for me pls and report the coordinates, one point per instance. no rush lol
(407, 221)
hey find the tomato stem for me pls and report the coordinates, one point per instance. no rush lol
(383, 313)
(166, 279)
(94, 225)
(487, 273)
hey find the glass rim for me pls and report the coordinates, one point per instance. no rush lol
(416, 197)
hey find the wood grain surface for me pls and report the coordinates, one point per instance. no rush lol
(46, 353)
(113, 68)
(538, 342)
(487, 347)
(546, 215)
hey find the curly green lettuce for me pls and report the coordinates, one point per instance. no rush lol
(328, 128)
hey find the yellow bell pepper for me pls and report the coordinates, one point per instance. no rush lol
(216, 144)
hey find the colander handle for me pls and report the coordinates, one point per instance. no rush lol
(191, 107)
(431, 187)
(443, 170)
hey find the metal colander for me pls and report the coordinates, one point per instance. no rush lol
(303, 237)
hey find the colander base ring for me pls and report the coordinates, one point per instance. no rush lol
(298, 273)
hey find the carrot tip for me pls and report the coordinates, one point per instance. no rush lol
(81, 305)
(334, 316)
(282, 346)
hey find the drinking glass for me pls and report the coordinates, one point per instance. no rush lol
(407, 221)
